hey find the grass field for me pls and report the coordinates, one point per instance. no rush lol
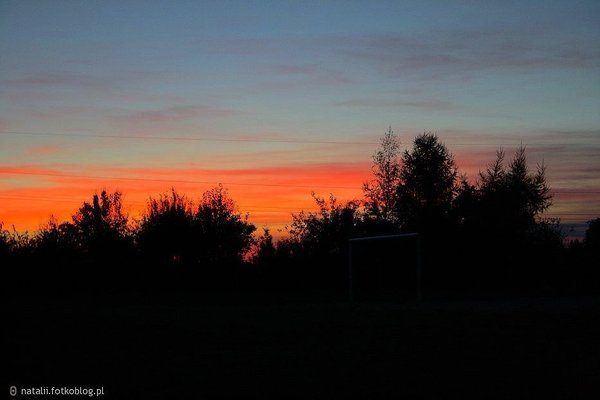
(504, 349)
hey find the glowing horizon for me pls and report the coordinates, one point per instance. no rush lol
(289, 188)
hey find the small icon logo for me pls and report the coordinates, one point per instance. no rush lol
(13, 391)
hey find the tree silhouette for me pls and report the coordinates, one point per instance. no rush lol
(15, 252)
(60, 240)
(265, 250)
(380, 193)
(213, 234)
(166, 232)
(592, 235)
(325, 231)
(488, 234)
(505, 226)
(591, 258)
(101, 226)
(93, 251)
(428, 184)
(5, 242)
(315, 249)
(226, 234)
(512, 199)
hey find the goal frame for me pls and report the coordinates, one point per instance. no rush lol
(419, 293)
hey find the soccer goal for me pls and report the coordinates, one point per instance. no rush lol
(388, 266)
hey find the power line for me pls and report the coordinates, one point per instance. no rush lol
(560, 191)
(566, 217)
(60, 199)
(258, 140)
(174, 180)
(187, 138)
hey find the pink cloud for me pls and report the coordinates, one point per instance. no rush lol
(174, 113)
(432, 104)
(292, 69)
(325, 78)
(167, 119)
(58, 79)
(4, 124)
(27, 169)
(43, 150)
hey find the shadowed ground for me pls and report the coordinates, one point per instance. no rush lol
(517, 349)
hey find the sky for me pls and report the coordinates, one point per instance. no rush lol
(277, 99)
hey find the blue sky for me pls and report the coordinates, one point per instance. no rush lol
(481, 74)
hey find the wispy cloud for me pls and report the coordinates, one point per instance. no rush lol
(43, 150)
(290, 69)
(161, 119)
(174, 113)
(4, 124)
(283, 77)
(26, 169)
(461, 53)
(432, 104)
(245, 46)
(97, 83)
(158, 98)
(312, 80)
(59, 79)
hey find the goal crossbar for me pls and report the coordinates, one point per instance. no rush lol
(384, 237)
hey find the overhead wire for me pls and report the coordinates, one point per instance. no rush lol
(117, 178)
(517, 141)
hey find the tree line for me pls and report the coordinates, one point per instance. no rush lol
(486, 236)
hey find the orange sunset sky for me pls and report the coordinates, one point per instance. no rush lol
(278, 99)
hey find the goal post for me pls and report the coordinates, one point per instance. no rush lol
(351, 272)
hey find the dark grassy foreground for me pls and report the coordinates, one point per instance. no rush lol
(517, 349)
